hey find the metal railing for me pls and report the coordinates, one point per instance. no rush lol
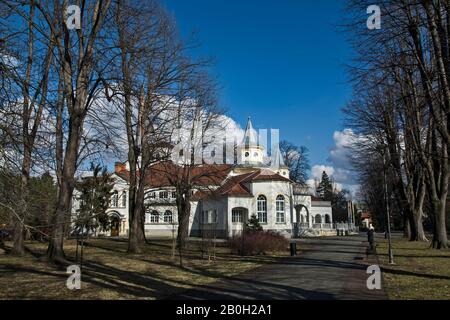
(330, 226)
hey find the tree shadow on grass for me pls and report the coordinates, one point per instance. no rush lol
(414, 274)
(123, 282)
(416, 256)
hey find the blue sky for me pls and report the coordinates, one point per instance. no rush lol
(280, 62)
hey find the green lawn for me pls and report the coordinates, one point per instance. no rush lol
(110, 273)
(419, 271)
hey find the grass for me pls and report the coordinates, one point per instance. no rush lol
(110, 273)
(419, 273)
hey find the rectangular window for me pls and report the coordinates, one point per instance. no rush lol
(262, 217)
(173, 195)
(237, 216)
(210, 216)
(213, 216)
(152, 195)
(280, 217)
(163, 195)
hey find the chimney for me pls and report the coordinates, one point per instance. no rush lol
(119, 167)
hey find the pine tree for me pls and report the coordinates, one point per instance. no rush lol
(95, 195)
(41, 205)
(253, 224)
(325, 188)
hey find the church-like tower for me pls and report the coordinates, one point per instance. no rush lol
(250, 152)
(277, 164)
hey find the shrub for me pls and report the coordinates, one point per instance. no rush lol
(258, 243)
(253, 224)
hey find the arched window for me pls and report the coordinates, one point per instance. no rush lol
(327, 219)
(124, 199)
(318, 218)
(154, 217)
(262, 209)
(168, 217)
(280, 209)
(115, 200)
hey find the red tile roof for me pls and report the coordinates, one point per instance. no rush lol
(236, 186)
(166, 174)
(366, 215)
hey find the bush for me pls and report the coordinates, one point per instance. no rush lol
(253, 224)
(258, 243)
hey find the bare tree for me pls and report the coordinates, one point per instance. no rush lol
(296, 159)
(82, 63)
(401, 105)
(156, 77)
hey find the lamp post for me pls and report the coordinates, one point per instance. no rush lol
(388, 221)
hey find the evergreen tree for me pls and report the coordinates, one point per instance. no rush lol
(41, 205)
(339, 205)
(253, 224)
(94, 198)
(325, 188)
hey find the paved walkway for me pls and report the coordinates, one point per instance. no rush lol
(327, 268)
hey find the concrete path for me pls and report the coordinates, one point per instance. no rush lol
(326, 269)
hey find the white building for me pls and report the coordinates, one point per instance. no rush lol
(224, 201)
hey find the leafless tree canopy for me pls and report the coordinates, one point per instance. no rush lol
(400, 110)
(118, 87)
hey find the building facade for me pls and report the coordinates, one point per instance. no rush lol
(224, 197)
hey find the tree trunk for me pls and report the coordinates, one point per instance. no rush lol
(418, 225)
(183, 222)
(55, 250)
(420, 230)
(136, 235)
(18, 238)
(440, 240)
(407, 228)
(19, 221)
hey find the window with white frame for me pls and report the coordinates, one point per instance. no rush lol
(237, 216)
(168, 216)
(115, 199)
(164, 195)
(280, 209)
(210, 216)
(173, 195)
(124, 199)
(152, 195)
(262, 209)
(154, 216)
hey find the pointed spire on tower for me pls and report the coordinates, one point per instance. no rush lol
(250, 137)
(277, 159)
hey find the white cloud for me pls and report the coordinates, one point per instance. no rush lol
(317, 170)
(339, 166)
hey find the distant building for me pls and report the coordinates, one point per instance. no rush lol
(366, 218)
